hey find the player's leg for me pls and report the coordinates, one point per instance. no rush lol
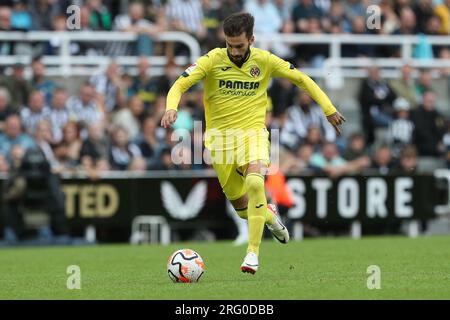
(256, 211)
(234, 184)
(273, 220)
(257, 203)
(240, 205)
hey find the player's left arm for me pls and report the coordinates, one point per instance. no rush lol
(284, 69)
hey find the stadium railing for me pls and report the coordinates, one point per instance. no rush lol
(335, 66)
(67, 65)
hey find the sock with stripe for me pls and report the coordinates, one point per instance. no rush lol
(256, 210)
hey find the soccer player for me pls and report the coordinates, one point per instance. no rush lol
(235, 98)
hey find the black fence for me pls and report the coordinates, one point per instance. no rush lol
(195, 201)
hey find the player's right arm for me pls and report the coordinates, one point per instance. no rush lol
(190, 76)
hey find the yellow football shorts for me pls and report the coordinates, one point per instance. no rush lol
(231, 164)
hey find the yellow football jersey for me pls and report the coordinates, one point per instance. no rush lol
(236, 97)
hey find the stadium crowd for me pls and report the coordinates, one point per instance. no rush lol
(112, 123)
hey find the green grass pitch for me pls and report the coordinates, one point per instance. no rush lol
(324, 268)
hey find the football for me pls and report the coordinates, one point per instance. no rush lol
(185, 265)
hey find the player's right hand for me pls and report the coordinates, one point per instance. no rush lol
(169, 118)
(336, 120)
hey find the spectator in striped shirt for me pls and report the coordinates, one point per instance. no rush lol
(401, 129)
(109, 85)
(86, 108)
(122, 152)
(299, 119)
(36, 111)
(59, 114)
(187, 16)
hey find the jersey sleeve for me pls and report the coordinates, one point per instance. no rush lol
(284, 69)
(188, 78)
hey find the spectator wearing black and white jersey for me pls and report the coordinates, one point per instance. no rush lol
(186, 16)
(85, 108)
(401, 129)
(299, 118)
(123, 151)
(109, 85)
(59, 113)
(35, 112)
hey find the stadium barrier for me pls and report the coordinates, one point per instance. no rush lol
(334, 67)
(193, 201)
(67, 65)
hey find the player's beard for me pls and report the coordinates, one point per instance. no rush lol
(239, 60)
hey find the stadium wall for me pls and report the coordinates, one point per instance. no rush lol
(196, 202)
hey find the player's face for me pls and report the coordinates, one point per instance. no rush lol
(238, 47)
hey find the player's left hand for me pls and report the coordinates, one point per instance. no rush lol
(169, 118)
(336, 120)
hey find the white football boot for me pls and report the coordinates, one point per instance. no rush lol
(278, 229)
(250, 264)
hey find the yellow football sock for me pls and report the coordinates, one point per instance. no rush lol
(257, 210)
(242, 213)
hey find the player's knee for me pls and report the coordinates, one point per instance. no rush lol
(254, 184)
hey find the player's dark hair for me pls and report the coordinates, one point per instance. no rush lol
(237, 23)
